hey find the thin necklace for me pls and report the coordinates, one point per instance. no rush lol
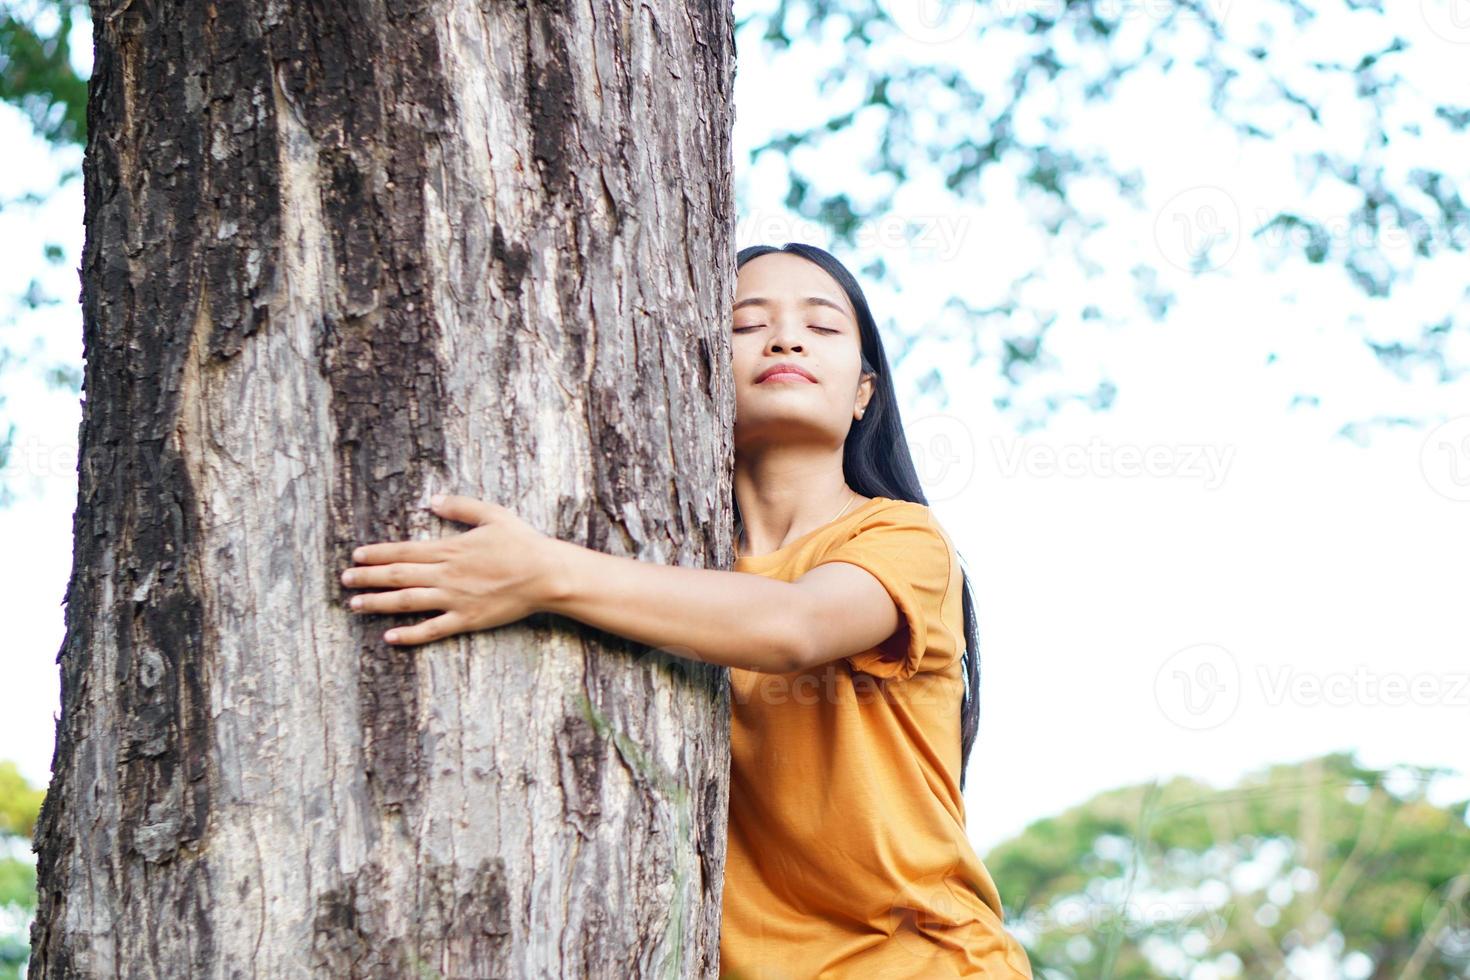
(850, 499)
(846, 505)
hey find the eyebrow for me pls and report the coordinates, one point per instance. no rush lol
(809, 301)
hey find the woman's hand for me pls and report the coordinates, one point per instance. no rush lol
(498, 572)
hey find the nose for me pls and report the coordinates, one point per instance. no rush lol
(783, 327)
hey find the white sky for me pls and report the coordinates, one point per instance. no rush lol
(1133, 624)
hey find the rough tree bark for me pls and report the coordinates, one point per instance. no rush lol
(341, 254)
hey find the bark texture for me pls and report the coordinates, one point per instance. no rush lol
(341, 254)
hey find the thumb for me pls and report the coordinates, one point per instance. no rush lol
(466, 510)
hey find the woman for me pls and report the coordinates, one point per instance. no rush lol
(853, 695)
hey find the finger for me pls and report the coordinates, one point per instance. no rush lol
(397, 575)
(466, 510)
(426, 632)
(386, 551)
(404, 600)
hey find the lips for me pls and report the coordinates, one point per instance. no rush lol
(786, 372)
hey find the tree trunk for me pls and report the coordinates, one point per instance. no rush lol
(341, 254)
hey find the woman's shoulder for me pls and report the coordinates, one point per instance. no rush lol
(904, 527)
(889, 511)
(894, 505)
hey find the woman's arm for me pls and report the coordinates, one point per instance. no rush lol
(734, 619)
(503, 570)
(731, 618)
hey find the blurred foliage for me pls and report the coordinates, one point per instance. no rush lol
(20, 805)
(1318, 868)
(1014, 99)
(36, 75)
(934, 111)
(1322, 858)
(1014, 96)
(38, 79)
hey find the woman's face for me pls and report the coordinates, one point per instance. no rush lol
(790, 311)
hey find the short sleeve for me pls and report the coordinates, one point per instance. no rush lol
(904, 549)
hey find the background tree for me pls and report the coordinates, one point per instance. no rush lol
(958, 103)
(19, 804)
(1318, 868)
(340, 256)
(922, 110)
(38, 78)
(36, 71)
(948, 105)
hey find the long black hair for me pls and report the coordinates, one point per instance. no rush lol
(876, 461)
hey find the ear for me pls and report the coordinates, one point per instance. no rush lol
(865, 390)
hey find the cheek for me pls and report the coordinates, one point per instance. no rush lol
(741, 365)
(743, 357)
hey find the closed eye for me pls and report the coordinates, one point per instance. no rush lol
(820, 329)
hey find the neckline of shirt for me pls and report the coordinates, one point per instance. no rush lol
(750, 561)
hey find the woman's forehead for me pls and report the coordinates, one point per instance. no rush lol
(792, 280)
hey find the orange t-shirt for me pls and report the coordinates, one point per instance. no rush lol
(847, 854)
